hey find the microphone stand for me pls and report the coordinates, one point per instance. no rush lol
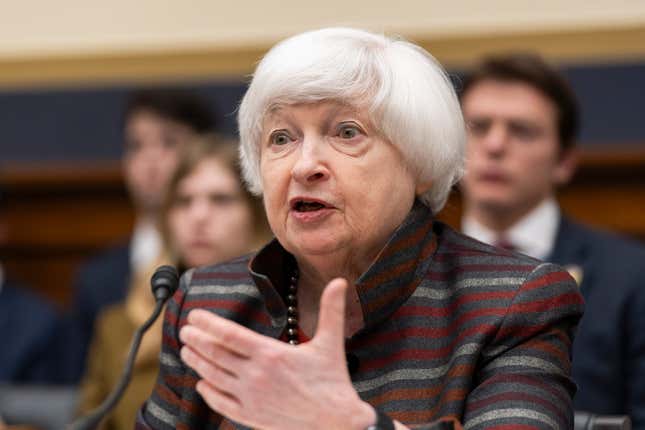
(161, 291)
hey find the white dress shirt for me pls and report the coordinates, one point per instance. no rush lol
(533, 235)
(145, 246)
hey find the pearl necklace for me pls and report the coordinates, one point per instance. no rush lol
(292, 309)
(292, 320)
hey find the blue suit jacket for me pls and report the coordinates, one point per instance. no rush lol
(100, 282)
(28, 325)
(609, 348)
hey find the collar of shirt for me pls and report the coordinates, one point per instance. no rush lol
(533, 235)
(145, 245)
(383, 288)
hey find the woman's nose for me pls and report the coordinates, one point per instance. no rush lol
(311, 164)
(200, 210)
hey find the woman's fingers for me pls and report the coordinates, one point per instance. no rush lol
(221, 363)
(206, 344)
(226, 333)
(252, 379)
(221, 377)
(220, 401)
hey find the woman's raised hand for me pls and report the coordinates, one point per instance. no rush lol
(268, 384)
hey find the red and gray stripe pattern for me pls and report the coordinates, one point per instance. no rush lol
(454, 328)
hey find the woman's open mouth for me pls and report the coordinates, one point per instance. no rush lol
(303, 206)
(309, 209)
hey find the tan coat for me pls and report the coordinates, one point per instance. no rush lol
(113, 333)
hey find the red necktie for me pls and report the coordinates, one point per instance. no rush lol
(506, 244)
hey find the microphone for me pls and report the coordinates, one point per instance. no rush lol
(163, 283)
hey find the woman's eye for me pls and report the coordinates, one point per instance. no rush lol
(182, 201)
(280, 138)
(170, 140)
(222, 199)
(349, 131)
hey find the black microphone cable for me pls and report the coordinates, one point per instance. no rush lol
(163, 282)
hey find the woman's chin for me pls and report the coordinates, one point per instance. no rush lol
(197, 259)
(316, 243)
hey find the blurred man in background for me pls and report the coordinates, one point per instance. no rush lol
(28, 324)
(522, 121)
(156, 125)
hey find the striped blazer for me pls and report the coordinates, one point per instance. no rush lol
(453, 328)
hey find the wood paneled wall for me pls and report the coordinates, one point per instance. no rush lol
(60, 215)
(607, 191)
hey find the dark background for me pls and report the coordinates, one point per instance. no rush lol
(85, 124)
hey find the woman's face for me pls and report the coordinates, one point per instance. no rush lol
(210, 221)
(331, 182)
(152, 146)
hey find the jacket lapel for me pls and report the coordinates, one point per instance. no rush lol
(572, 252)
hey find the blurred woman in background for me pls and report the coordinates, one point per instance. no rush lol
(157, 125)
(208, 217)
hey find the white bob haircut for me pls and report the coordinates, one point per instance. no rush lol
(407, 94)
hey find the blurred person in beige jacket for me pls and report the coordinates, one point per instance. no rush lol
(208, 217)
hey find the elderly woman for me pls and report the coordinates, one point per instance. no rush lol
(364, 312)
